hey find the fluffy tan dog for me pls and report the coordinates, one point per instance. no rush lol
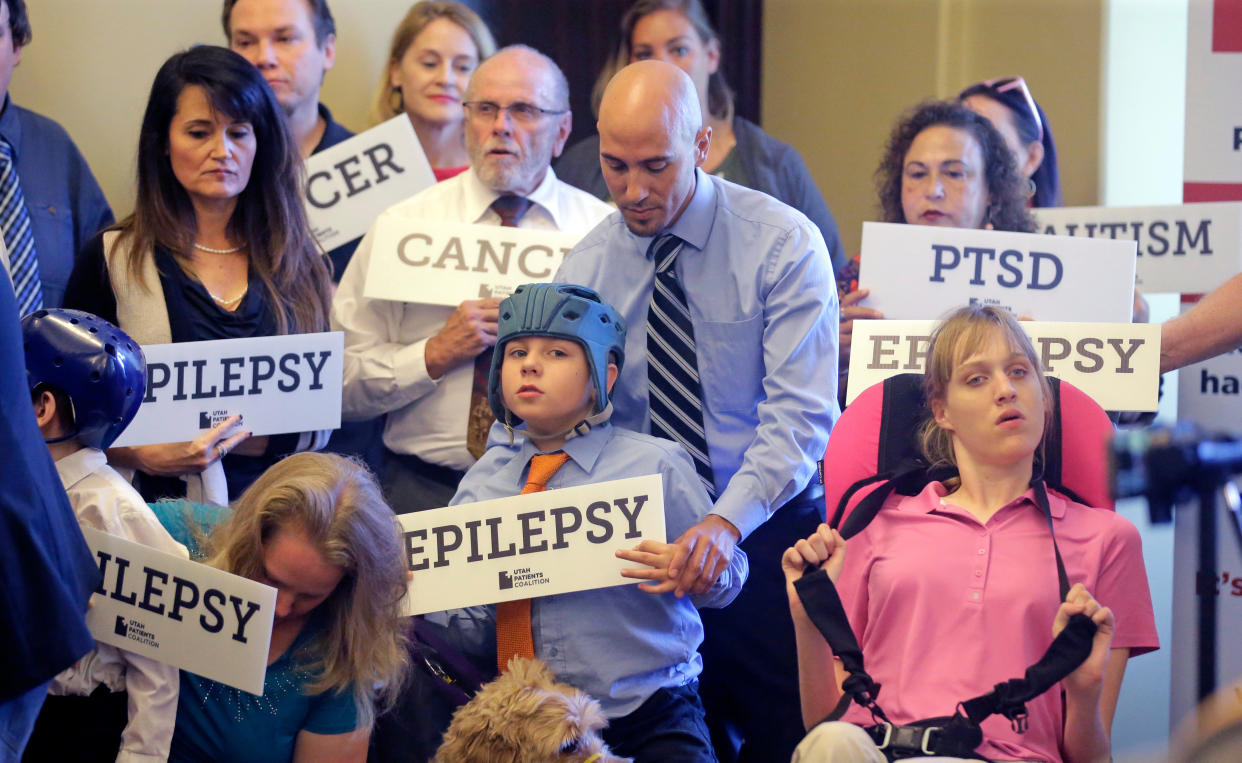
(525, 716)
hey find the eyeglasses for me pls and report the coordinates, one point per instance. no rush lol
(1005, 84)
(526, 113)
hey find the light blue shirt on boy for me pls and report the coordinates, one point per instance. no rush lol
(758, 281)
(618, 644)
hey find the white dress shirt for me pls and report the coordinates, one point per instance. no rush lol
(104, 501)
(385, 369)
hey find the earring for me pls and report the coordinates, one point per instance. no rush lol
(1030, 187)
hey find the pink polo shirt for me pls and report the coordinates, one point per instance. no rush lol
(946, 607)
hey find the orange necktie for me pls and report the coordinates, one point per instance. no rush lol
(513, 636)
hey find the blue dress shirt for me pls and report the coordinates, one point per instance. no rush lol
(66, 205)
(618, 644)
(759, 285)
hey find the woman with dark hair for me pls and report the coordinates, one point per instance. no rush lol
(1008, 104)
(218, 247)
(956, 588)
(679, 32)
(943, 165)
(315, 528)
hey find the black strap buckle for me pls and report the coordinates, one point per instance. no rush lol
(906, 739)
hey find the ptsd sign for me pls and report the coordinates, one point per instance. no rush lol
(278, 383)
(918, 272)
(180, 612)
(1188, 249)
(439, 263)
(348, 185)
(1117, 364)
(536, 544)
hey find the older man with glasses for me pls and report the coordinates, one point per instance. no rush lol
(417, 362)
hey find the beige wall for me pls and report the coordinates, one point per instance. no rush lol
(837, 73)
(91, 63)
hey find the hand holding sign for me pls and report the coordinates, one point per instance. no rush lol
(174, 459)
(657, 556)
(470, 330)
(851, 311)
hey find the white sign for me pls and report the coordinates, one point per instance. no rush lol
(1189, 249)
(538, 544)
(278, 383)
(1209, 393)
(917, 272)
(1213, 149)
(1116, 364)
(183, 613)
(439, 263)
(348, 185)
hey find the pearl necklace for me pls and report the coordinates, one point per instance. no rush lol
(226, 302)
(216, 251)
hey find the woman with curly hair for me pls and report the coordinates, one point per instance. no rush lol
(315, 527)
(943, 165)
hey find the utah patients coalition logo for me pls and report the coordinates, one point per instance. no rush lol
(134, 631)
(521, 578)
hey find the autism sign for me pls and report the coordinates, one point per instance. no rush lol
(921, 272)
(1187, 249)
(439, 263)
(180, 612)
(536, 544)
(278, 384)
(349, 184)
(1117, 364)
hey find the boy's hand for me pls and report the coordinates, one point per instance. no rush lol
(656, 556)
(702, 553)
(1087, 678)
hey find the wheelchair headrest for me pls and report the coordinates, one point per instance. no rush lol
(879, 431)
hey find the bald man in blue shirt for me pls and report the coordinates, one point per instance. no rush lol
(733, 317)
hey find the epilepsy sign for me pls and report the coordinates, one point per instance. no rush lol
(537, 544)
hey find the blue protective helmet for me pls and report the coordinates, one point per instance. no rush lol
(567, 311)
(98, 367)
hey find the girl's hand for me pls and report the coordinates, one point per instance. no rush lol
(1089, 676)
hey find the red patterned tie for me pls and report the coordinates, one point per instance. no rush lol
(513, 636)
(510, 209)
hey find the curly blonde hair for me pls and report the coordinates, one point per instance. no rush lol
(337, 503)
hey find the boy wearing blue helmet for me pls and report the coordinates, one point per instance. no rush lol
(633, 648)
(87, 379)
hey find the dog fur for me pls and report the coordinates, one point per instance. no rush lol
(525, 716)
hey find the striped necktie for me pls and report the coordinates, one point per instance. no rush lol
(18, 236)
(513, 634)
(674, 389)
(511, 209)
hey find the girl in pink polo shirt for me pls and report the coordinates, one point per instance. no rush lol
(955, 590)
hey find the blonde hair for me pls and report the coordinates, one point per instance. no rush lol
(388, 102)
(961, 333)
(337, 502)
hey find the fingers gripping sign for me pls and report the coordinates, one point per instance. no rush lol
(656, 556)
(177, 458)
